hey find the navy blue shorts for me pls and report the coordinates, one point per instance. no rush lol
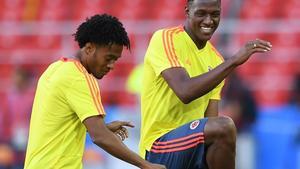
(181, 148)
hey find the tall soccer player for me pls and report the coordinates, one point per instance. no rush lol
(183, 75)
(67, 102)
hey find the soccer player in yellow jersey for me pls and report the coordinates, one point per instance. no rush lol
(183, 76)
(67, 102)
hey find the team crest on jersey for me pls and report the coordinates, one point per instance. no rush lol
(194, 124)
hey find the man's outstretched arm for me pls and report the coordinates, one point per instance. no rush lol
(188, 89)
(107, 140)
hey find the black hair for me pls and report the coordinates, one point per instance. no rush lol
(102, 30)
(190, 1)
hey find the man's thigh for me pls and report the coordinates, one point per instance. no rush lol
(181, 148)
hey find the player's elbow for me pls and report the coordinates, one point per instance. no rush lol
(185, 101)
(185, 98)
(100, 141)
(185, 94)
(99, 138)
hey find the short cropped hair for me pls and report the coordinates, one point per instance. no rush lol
(190, 1)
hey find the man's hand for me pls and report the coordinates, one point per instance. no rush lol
(118, 127)
(256, 46)
(102, 136)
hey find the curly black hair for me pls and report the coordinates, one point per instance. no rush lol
(102, 30)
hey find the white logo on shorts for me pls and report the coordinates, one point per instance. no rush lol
(194, 124)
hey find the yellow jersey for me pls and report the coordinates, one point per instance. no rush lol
(66, 95)
(162, 111)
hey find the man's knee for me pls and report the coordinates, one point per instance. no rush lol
(227, 127)
(221, 128)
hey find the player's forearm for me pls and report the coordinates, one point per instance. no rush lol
(110, 143)
(200, 85)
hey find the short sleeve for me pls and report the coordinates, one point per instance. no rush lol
(161, 53)
(84, 99)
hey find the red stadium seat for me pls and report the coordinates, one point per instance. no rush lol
(126, 99)
(55, 10)
(81, 9)
(48, 42)
(273, 86)
(287, 40)
(242, 38)
(11, 10)
(9, 42)
(258, 9)
(291, 9)
(226, 4)
(31, 42)
(132, 10)
(165, 9)
(6, 70)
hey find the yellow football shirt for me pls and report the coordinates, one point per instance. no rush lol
(162, 111)
(66, 95)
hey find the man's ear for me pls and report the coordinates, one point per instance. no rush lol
(89, 48)
(187, 11)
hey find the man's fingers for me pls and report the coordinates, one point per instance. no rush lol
(259, 45)
(125, 131)
(260, 50)
(127, 123)
(263, 42)
(121, 134)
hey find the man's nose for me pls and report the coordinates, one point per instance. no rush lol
(208, 20)
(111, 66)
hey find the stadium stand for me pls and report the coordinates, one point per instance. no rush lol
(37, 32)
(53, 12)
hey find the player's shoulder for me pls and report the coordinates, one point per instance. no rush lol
(69, 69)
(168, 31)
(174, 29)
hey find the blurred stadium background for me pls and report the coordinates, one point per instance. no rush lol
(263, 96)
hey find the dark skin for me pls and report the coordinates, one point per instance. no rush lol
(98, 61)
(202, 19)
